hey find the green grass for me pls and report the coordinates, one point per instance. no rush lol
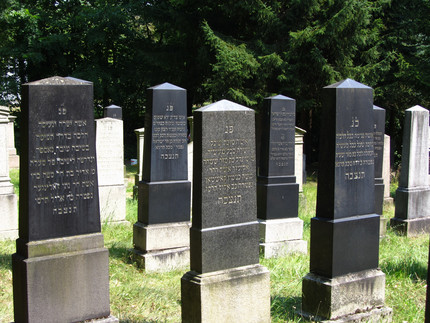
(137, 296)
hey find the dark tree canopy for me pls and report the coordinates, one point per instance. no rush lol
(238, 50)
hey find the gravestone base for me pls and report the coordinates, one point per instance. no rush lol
(112, 203)
(383, 227)
(13, 161)
(61, 280)
(280, 237)
(376, 315)
(411, 227)
(332, 298)
(388, 201)
(412, 203)
(8, 216)
(162, 260)
(239, 294)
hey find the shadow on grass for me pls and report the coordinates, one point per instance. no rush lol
(413, 269)
(121, 253)
(6, 261)
(286, 308)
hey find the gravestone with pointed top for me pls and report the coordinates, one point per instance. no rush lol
(60, 270)
(345, 232)
(8, 199)
(412, 203)
(281, 230)
(226, 282)
(110, 165)
(161, 234)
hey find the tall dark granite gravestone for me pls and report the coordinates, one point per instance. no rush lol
(161, 234)
(378, 137)
(60, 268)
(412, 212)
(344, 277)
(226, 282)
(281, 230)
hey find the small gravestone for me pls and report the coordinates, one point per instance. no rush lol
(281, 231)
(161, 234)
(60, 269)
(299, 160)
(226, 282)
(412, 212)
(8, 199)
(386, 170)
(345, 232)
(140, 136)
(110, 166)
(13, 157)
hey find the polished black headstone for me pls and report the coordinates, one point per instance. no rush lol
(345, 231)
(378, 137)
(225, 228)
(112, 111)
(277, 190)
(165, 192)
(58, 170)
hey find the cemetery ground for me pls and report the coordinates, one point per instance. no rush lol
(137, 296)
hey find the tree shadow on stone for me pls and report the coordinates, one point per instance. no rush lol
(413, 269)
(286, 308)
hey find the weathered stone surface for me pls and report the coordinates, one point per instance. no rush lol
(283, 248)
(299, 169)
(163, 260)
(343, 295)
(386, 169)
(413, 194)
(140, 135)
(113, 203)
(60, 269)
(233, 295)
(281, 229)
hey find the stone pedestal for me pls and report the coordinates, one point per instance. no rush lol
(13, 157)
(161, 235)
(341, 297)
(412, 213)
(281, 237)
(232, 295)
(61, 280)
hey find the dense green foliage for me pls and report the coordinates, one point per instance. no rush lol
(238, 50)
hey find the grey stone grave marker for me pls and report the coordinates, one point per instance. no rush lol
(13, 157)
(161, 234)
(299, 160)
(226, 282)
(140, 136)
(60, 268)
(386, 170)
(412, 212)
(345, 232)
(281, 230)
(8, 199)
(110, 165)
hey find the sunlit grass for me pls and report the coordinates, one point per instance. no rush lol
(137, 296)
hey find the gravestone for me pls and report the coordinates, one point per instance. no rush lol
(13, 157)
(344, 278)
(386, 170)
(226, 282)
(60, 268)
(161, 234)
(299, 161)
(281, 231)
(140, 136)
(8, 200)
(412, 212)
(110, 166)
(112, 111)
